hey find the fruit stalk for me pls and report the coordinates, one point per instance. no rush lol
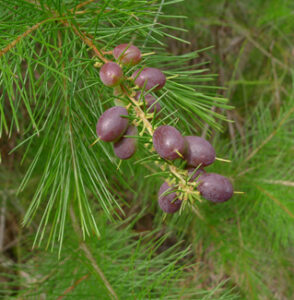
(141, 115)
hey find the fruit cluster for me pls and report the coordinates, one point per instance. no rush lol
(168, 142)
(198, 153)
(113, 125)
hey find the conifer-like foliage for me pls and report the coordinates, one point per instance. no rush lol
(52, 97)
(49, 75)
(94, 218)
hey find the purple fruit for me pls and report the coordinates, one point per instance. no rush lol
(168, 142)
(127, 54)
(126, 146)
(215, 187)
(112, 125)
(199, 151)
(168, 202)
(149, 77)
(149, 100)
(197, 173)
(111, 74)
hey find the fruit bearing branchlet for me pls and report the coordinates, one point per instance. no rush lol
(136, 104)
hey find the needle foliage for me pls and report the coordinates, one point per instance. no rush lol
(49, 75)
(98, 216)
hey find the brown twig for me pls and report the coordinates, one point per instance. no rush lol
(69, 289)
(277, 84)
(188, 188)
(2, 221)
(36, 26)
(81, 5)
(36, 3)
(23, 35)
(288, 114)
(281, 205)
(85, 39)
(140, 113)
(280, 182)
(247, 34)
(90, 257)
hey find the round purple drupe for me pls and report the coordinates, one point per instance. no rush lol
(168, 142)
(168, 202)
(149, 77)
(126, 146)
(199, 151)
(111, 74)
(215, 187)
(111, 125)
(127, 54)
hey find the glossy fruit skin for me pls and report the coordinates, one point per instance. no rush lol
(131, 56)
(167, 140)
(111, 125)
(126, 146)
(215, 188)
(196, 174)
(152, 76)
(111, 74)
(169, 202)
(149, 100)
(199, 152)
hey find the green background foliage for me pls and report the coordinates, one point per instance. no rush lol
(50, 100)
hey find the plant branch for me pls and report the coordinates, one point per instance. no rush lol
(23, 35)
(82, 5)
(79, 33)
(36, 26)
(2, 221)
(141, 115)
(187, 187)
(281, 205)
(69, 289)
(90, 257)
(288, 114)
(280, 182)
(85, 39)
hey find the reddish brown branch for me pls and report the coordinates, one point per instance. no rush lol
(69, 289)
(79, 33)
(281, 205)
(90, 257)
(81, 5)
(85, 39)
(174, 170)
(285, 118)
(20, 37)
